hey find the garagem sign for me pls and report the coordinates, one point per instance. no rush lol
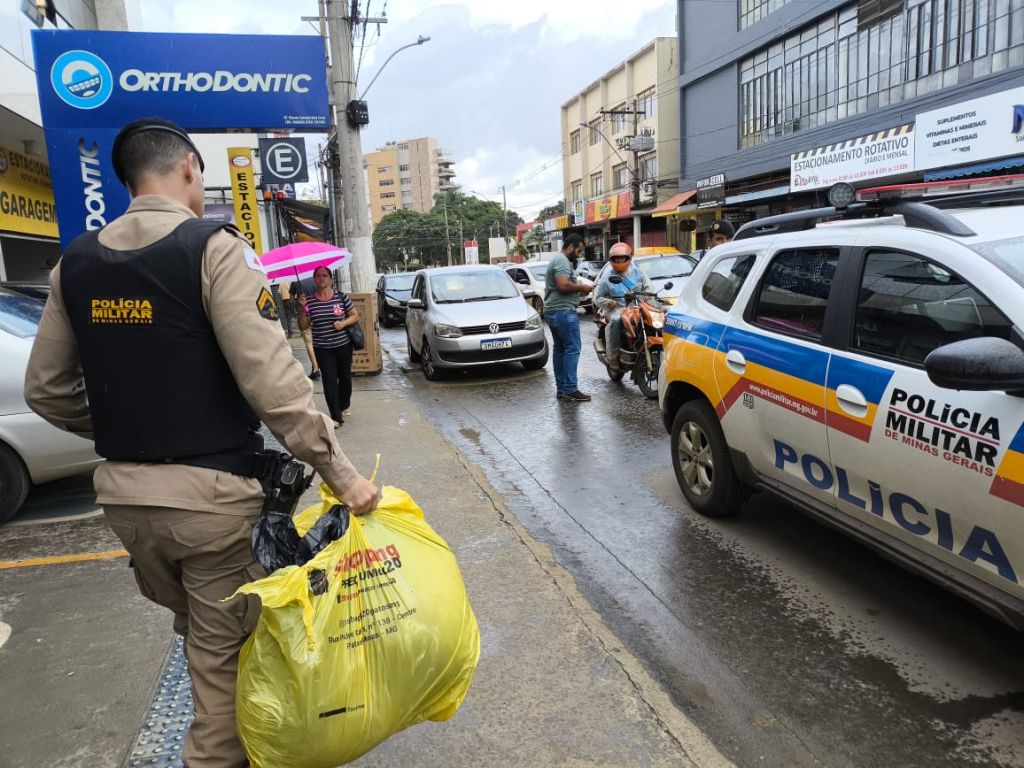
(204, 82)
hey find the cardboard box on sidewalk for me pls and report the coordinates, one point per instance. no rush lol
(368, 361)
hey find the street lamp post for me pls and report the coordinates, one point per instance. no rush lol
(419, 41)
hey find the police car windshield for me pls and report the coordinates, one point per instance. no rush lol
(20, 315)
(663, 267)
(1008, 255)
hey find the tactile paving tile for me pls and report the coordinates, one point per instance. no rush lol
(169, 716)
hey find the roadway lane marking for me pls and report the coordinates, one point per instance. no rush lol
(5, 633)
(62, 559)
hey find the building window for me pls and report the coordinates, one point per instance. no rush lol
(647, 104)
(620, 176)
(839, 67)
(649, 167)
(752, 11)
(595, 131)
(597, 183)
(403, 147)
(873, 11)
(619, 120)
(386, 183)
(384, 169)
(387, 195)
(389, 208)
(406, 195)
(577, 189)
(406, 181)
(403, 168)
(574, 142)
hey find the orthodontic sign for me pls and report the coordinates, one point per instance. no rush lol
(91, 83)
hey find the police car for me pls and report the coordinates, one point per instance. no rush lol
(866, 362)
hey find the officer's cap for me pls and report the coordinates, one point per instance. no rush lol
(142, 125)
(723, 227)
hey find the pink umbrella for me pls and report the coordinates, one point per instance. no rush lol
(298, 260)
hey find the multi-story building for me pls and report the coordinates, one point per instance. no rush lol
(780, 98)
(619, 151)
(28, 223)
(407, 174)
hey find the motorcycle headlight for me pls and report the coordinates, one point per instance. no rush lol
(658, 320)
(669, 301)
(392, 302)
(533, 322)
(447, 331)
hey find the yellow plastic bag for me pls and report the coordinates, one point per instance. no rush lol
(391, 641)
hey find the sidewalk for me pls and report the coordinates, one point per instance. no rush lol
(553, 686)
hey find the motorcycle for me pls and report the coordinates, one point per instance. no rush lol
(642, 343)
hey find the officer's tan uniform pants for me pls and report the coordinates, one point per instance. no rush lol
(188, 562)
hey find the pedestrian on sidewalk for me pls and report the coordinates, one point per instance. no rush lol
(561, 302)
(161, 341)
(297, 289)
(288, 309)
(330, 313)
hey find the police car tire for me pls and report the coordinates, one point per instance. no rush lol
(727, 493)
(414, 356)
(14, 483)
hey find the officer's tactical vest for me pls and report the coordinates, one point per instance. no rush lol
(159, 387)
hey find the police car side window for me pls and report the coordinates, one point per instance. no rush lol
(794, 292)
(908, 306)
(727, 277)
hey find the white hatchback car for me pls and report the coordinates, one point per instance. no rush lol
(31, 450)
(870, 369)
(465, 317)
(532, 276)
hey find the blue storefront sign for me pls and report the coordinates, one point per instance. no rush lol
(91, 83)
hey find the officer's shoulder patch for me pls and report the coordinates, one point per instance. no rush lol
(252, 260)
(266, 305)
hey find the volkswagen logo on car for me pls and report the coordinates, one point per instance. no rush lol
(494, 327)
(81, 79)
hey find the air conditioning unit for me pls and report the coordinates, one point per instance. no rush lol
(648, 189)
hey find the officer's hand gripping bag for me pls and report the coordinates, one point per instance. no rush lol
(388, 640)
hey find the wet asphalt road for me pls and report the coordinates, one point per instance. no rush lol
(788, 643)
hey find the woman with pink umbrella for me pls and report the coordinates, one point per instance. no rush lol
(330, 314)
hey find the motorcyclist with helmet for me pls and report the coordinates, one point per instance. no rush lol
(610, 297)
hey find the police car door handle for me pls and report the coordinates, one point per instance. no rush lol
(735, 361)
(852, 400)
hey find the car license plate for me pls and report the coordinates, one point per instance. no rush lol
(496, 344)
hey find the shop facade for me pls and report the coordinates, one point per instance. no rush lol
(29, 245)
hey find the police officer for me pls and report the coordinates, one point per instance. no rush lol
(160, 340)
(720, 233)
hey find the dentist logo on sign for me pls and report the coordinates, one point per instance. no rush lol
(284, 161)
(82, 80)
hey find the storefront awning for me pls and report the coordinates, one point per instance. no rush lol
(668, 208)
(970, 170)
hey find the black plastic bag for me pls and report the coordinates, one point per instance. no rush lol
(277, 544)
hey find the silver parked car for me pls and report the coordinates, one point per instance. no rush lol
(463, 317)
(532, 276)
(31, 450)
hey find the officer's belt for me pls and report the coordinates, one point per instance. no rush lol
(248, 461)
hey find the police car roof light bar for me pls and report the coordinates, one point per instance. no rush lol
(915, 214)
(944, 187)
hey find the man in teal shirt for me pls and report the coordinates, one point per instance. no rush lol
(561, 300)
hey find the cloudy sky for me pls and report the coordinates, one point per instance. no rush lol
(488, 85)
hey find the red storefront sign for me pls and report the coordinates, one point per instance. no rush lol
(608, 208)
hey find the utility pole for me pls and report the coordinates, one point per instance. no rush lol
(348, 141)
(504, 217)
(447, 238)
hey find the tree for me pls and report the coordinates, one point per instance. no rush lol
(403, 237)
(552, 210)
(535, 239)
(471, 218)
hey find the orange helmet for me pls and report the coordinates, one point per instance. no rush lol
(616, 254)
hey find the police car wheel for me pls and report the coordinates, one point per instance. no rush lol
(14, 483)
(700, 458)
(413, 354)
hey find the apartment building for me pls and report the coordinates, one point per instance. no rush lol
(786, 97)
(28, 226)
(406, 175)
(620, 153)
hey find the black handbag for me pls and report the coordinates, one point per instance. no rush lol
(355, 332)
